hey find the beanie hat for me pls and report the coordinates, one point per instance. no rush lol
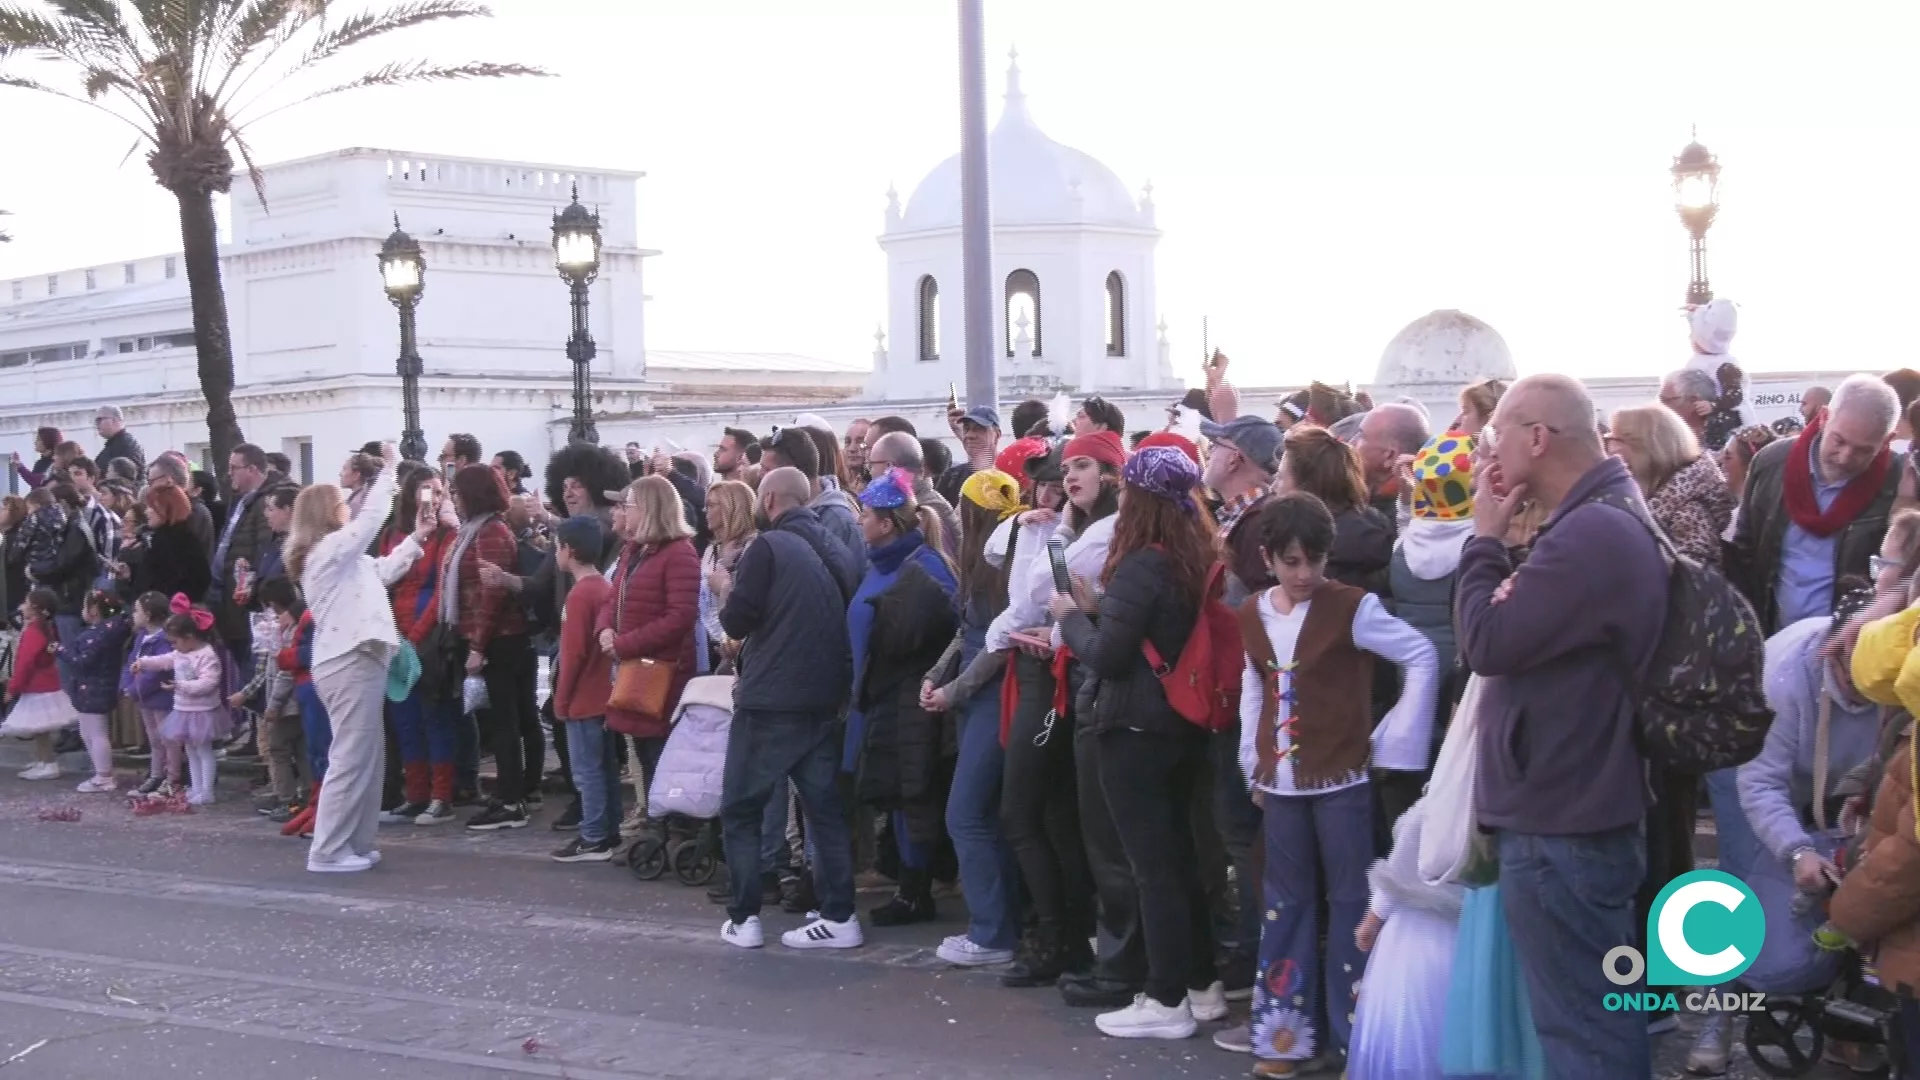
(1104, 447)
(1173, 441)
(1443, 478)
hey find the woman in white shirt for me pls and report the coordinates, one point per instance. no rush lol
(1305, 747)
(354, 641)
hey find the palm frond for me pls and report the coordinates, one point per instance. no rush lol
(366, 26)
(258, 178)
(405, 72)
(24, 30)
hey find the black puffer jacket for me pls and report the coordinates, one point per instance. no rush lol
(1140, 603)
(71, 570)
(1362, 549)
(899, 766)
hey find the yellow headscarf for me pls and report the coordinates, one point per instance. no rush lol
(991, 489)
(1881, 659)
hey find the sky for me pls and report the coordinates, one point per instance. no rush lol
(1323, 173)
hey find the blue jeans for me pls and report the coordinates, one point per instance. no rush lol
(425, 729)
(595, 778)
(989, 876)
(1295, 984)
(775, 856)
(316, 726)
(1738, 847)
(764, 749)
(1570, 899)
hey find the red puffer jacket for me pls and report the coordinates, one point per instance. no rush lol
(655, 602)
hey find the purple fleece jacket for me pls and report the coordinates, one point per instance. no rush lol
(1557, 752)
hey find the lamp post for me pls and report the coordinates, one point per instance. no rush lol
(1696, 196)
(403, 270)
(976, 220)
(576, 254)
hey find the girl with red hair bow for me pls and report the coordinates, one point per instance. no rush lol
(200, 716)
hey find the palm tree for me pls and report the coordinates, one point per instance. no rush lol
(191, 78)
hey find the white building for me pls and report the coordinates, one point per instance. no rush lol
(1072, 264)
(315, 339)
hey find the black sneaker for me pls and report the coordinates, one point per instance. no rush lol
(499, 816)
(284, 813)
(152, 785)
(403, 814)
(579, 850)
(535, 800)
(569, 819)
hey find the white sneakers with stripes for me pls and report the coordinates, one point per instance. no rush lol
(825, 934)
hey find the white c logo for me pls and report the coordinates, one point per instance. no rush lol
(1673, 938)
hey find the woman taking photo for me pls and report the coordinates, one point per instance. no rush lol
(354, 640)
(491, 626)
(1685, 491)
(1039, 808)
(423, 725)
(900, 622)
(730, 519)
(656, 600)
(1151, 759)
(1315, 462)
(170, 558)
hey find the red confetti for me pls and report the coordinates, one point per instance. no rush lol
(148, 807)
(531, 1046)
(65, 813)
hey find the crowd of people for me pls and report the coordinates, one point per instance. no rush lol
(1163, 706)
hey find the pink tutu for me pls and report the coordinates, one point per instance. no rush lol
(197, 725)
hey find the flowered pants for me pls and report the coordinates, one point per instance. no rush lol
(1316, 845)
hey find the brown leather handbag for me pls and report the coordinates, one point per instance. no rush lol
(641, 685)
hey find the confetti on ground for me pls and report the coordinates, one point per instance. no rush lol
(531, 1046)
(62, 813)
(148, 807)
(24, 1053)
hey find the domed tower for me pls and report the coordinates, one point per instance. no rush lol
(1074, 303)
(1438, 355)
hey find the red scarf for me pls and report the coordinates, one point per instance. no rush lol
(1860, 491)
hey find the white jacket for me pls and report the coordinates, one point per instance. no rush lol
(346, 588)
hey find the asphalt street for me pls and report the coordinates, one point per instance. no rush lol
(198, 946)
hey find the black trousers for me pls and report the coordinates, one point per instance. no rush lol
(1122, 952)
(1238, 822)
(1152, 781)
(1039, 806)
(519, 752)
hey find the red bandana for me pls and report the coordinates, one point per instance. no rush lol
(1804, 508)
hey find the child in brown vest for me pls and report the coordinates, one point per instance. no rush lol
(1306, 745)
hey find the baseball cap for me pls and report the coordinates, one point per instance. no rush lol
(982, 415)
(582, 532)
(1258, 439)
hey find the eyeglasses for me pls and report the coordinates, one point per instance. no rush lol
(1492, 432)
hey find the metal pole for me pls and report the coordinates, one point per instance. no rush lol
(581, 350)
(1699, 291)
(413, 441)
(976, 221)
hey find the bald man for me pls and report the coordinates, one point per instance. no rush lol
(1561, 778)
(786, 605)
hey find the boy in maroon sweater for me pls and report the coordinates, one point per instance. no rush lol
(580, 692)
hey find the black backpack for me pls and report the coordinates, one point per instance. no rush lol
(1702, 705)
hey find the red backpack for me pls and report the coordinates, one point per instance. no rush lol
(1204, 685)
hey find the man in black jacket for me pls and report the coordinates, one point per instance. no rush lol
(120, 443)
(786, 605)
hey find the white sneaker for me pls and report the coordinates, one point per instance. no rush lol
(348, 863)
(962, 951)
(1209, 1004)
(1148, 1019)
(824, 933)
(95, 785)
(743, 935)
(41, 770)
(372, 857)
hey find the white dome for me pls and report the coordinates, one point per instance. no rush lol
(1031, 180)
(1446, 349)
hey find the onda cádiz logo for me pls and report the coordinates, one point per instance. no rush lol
(1704, 929)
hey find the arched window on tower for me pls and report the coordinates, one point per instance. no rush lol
(928, 314)
(1023, 298)
(1116, 314)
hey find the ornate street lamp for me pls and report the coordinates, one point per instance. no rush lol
(403, 270)
(576, 254)
(1696, 195)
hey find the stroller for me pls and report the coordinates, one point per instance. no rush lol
(685, 794)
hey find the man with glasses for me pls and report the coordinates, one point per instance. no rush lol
(1816, 505)
(899, 450)
(1689, 394)
(1562, 781)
